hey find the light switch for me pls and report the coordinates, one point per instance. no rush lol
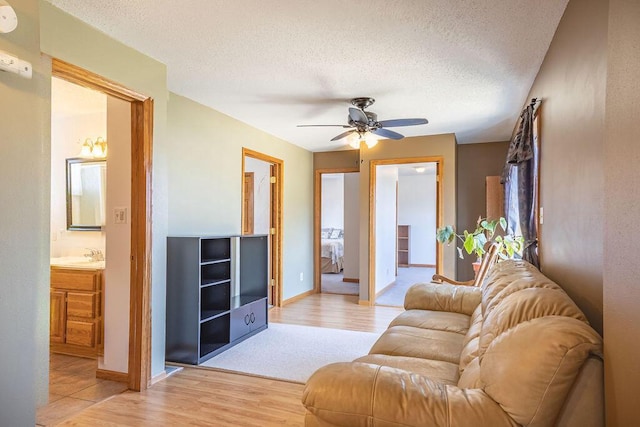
(120, 215)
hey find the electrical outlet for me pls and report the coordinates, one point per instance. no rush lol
(301, 277)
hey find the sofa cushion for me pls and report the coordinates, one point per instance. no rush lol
(438, 320)
(530, 368)
(437, 370)
(471, 340)
(508, 277)
(523, 305)
(442, 297)
(417, 342)
(470, 376)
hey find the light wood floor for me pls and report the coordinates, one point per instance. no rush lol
(73, 386)
(198, 397)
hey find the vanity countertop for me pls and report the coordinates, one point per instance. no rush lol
(77, 262)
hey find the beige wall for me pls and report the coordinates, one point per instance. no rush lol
(24, 195)
(205, 148)
(622, 215)
(571, 83)
(336, 159)
(474, 163)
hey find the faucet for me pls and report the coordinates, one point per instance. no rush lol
(94, 255)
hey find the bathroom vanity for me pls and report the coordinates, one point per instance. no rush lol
(77, 306)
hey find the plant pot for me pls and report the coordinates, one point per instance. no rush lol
(476, 267)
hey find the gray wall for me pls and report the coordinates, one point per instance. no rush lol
(622, 215)
(572, 83)
(474, 163)
(24, 228)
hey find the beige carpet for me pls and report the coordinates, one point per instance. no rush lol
(292, 352)
(332, 283)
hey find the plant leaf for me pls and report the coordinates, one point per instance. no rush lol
(469, 243)
(445, 234)
(503, 223)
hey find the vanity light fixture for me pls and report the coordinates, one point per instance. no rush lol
(96, 149)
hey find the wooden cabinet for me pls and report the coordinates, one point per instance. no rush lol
(76, 311)
(404, 259)
(216, 294)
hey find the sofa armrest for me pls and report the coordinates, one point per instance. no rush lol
(442, 297)
(363, 394)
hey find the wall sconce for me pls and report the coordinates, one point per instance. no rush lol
(356, 138)
(96, 149)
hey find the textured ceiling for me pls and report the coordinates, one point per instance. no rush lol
(466, 66)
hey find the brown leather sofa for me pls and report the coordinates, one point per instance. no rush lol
(516, 351)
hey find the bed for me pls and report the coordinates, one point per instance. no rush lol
(332, 250)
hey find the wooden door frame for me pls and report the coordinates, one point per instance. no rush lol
(439, 161)
(276, 212)
(139, 369)
(317, 219)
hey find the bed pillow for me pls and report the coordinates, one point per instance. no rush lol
(325, 233)
(335, 233)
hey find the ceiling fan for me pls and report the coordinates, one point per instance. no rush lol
(362, 124)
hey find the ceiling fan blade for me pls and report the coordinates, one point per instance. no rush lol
(343, 135)
(340, 126)
(357, 115)
(402, 122)
(387, 133)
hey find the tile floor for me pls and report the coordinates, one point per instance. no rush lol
(73, 386)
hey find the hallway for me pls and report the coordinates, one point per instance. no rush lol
(407, 276)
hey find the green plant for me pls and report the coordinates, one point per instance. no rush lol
(485, 232)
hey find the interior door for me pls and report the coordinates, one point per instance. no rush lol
(272, 235)
(249, 215)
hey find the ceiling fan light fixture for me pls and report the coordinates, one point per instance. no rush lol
(354, 140)
(370, 139)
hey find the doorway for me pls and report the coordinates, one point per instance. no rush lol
(339, 233)
(327, 182)
(405, 206)
(262, 190)
(139, 111)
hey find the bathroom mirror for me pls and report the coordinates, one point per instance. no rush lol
(86, 194)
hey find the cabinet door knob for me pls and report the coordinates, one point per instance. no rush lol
(253, 317)
(246, 319)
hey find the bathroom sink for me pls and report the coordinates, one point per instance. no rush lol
(76, 262)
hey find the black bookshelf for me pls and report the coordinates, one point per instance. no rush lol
(216, 294)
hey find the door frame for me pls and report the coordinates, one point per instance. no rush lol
(139, 369)
(276, 212)
(317, 219)
(439, 160)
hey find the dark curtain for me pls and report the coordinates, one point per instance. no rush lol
(520, 177)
